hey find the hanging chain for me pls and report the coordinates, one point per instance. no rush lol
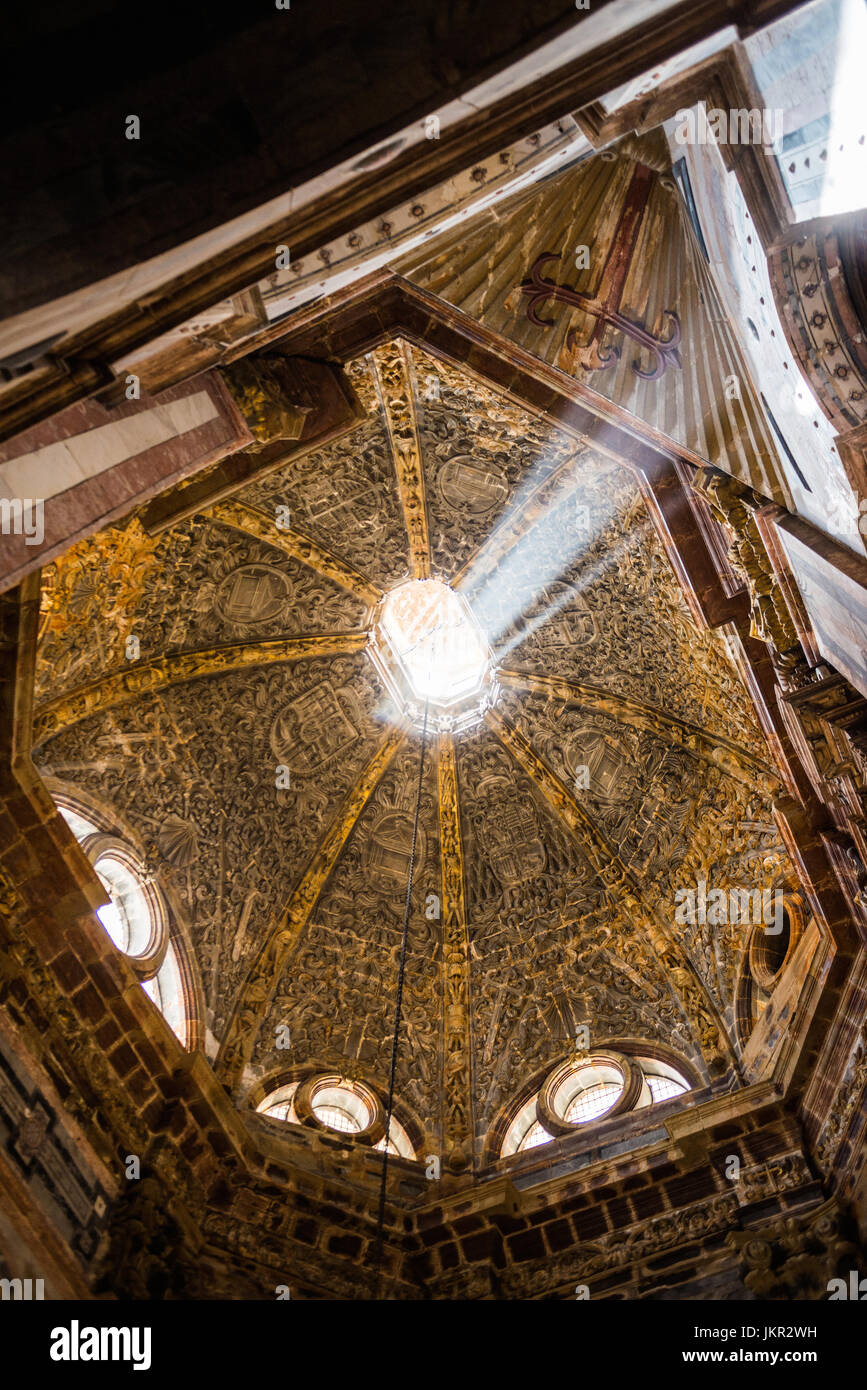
(380, 1219)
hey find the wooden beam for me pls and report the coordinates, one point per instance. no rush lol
(85, 368)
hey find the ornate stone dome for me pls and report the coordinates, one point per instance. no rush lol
(237, 688)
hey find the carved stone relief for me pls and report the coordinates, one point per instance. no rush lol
(548, 910)
(202, 754)
(345, 498)
(338, 994)
(194, 586)
(542, 944)
(672, 819)
(481, 455)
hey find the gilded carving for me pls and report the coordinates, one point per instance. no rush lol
(149, 677)
(300, 547)
(194, 587)
(457, 1092)
(338, 996)
(394, 375)
(623, 885)
(507, 831)
(664, 813)
(555, 899)
(784, 1174)
(844, 1107)
(466, 485)
(201, 762)
(542, 948)
(253, 594)
(267, 393)
(770, 619)
(345, 497)
(314, 728)
(95, 587)
(242, 1031)
(484, 460)
(740, 763)
(622, 1250)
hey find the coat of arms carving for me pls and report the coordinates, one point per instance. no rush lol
(253, 594)
(508, 831)
(314, 728)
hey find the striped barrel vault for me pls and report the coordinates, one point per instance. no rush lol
(479, 268)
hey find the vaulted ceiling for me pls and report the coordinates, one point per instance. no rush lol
(178, 671)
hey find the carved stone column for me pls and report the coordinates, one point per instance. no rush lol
(824, 716)
(733, 506)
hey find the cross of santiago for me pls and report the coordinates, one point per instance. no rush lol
(604, 304)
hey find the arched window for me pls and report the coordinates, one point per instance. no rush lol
(78, 824)
(662, 1081)
(166, 989)
(663, 1088)
(136, 918)
(128, 918)
(525, 1131)
(537, 1134)
(586, 1089)
(334, 1103)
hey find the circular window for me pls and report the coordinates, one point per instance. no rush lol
(340, 1106)
(127, 918)
(597, 1087)
(771, 945)
(578, 1092)
(592, 1101)
(136, 919)
(343, 1109)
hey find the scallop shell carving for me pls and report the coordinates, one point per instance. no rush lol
(178, 841)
